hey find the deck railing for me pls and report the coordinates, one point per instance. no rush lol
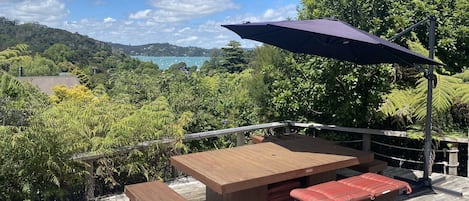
(366, 140)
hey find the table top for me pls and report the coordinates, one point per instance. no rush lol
(248, 166)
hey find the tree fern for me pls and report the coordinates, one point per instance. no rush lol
(399, 103)
(464, 76)
(442, 96)
(463, 93)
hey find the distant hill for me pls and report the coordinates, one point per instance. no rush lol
(40, 37)
(160, 49)
(87, 50)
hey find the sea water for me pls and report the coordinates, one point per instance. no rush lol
(166, 62)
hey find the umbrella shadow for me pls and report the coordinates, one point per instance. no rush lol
(307, 144)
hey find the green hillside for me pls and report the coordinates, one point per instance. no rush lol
(40, 38)
(160, 49)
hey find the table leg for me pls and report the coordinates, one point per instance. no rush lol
(253, 194)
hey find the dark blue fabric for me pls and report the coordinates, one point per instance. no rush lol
(329, 38)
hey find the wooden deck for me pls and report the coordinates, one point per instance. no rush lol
(195, 191)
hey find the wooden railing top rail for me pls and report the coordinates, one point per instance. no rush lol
(89, 156)
(195, 136)
(215, 133)
(370, 131)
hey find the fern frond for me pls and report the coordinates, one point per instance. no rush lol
(395, 101)
(464, 76)
(442, 97)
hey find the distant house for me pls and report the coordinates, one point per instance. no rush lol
(47, 83)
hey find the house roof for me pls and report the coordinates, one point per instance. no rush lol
(47, 83)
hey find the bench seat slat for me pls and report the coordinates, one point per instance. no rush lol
(151, 191)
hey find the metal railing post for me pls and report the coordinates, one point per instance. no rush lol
(90, 182)
(366, 143)
(240, 139)
(453, 160)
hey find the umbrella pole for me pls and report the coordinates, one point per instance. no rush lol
(428, 124)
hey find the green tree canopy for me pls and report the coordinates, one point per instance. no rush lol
(233, 59)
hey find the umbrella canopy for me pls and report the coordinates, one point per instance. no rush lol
(339, 40)
(329, 38)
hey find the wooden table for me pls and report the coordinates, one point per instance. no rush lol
(243, 173)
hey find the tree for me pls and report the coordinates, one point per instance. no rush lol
(407, 107)
(59, 53)
(19, 101)
(213, 65)
(233, 59)
(132, 87)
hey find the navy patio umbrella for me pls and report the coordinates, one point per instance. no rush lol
(329, 38)
(339, 40)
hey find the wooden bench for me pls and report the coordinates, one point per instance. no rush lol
(256, 139)
(151, 191)
(281, 191)
(375, 166)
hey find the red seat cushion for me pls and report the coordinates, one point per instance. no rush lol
(398, 183)
(376, 184)
(307, 195)
(330, 191)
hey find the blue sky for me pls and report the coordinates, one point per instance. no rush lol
(137, 22)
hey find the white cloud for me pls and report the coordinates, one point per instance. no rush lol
(128, 22)
(280, 13)
(109, 20)
(143, 14)
(269, 13)
(187, 41)
(181, 10)
(185, 29)
(194, 7)
(48, 12)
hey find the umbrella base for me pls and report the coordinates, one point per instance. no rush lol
(427, 186)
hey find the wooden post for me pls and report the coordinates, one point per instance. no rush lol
(286, 131)
(90, 182)
(453, 160)
(240, 139)
(366, 143)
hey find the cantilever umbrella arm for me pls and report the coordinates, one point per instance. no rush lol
(431, 80)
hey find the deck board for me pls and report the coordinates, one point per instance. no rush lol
(452, 182)
(194, 190)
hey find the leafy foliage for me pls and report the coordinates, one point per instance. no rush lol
(409, 106)
(233, 57)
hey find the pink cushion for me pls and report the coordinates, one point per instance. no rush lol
(330, 191)
(376, 184)
(307, 195)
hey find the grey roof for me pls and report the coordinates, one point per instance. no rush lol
(47, 83)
